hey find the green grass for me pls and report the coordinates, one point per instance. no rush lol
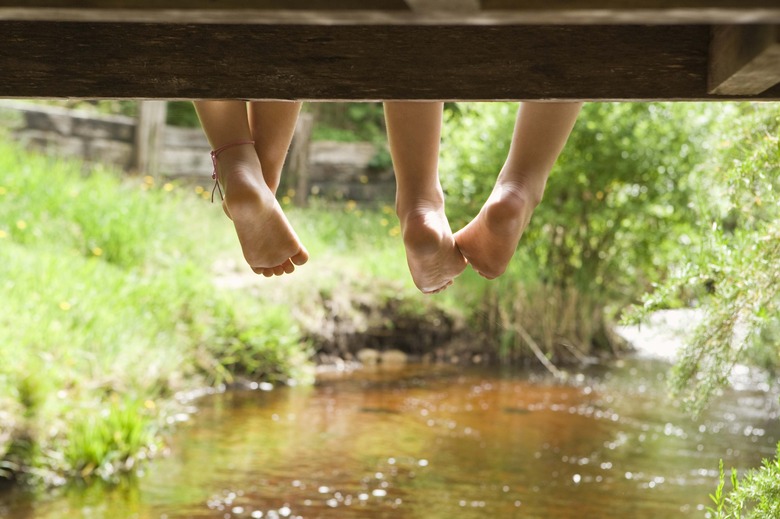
(109, 307)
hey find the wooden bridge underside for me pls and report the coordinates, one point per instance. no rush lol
(391, 49)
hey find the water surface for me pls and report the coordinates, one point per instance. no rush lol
(429, 443)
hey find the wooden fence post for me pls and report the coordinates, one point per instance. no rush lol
(149, 129)
(298, 160)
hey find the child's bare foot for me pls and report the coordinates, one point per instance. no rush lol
(489, 241)
(267, 239)
(433, 257)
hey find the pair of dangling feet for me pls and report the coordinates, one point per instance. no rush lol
(436, 255)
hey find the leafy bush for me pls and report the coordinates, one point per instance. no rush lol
(734, 275)
(614, 217)
(269, 348)
(755, 496)
(348, 121)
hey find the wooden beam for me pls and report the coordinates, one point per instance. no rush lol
(384, 12)
(149, 130)
(137, 61)
(744, 60)
(452, 6)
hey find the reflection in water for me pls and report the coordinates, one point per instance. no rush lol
(427, 442)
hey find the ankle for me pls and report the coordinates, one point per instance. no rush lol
(232, 162)
(416, 203)
(528, 193)
(244, 182)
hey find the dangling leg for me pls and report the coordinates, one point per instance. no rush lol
(490, 239)
(273, 124)
(413, 131)
(268, 241)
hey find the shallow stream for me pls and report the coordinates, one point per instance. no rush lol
(429, 443)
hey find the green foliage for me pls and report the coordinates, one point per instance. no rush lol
(101, 106)
(719, 498)
(106, 441)
(734, 275)
(617, 201)
(616, 209)
(352, 122)
(182, 113)
(755, 496)
(108, 304)
(269, 348)
(38, 211)
(348, 121)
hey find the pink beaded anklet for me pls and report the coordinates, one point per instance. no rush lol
(214, 155)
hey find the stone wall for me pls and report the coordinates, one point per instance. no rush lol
(70, 133)
(342, 171)
(337, 171)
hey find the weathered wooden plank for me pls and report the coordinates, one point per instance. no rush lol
(451, 6)
(101, 60)
(494, 12)
(149, 137)
(744, 60)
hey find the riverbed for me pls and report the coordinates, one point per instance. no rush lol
(440, 442)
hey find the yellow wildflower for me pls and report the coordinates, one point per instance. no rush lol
(65, 306)
(199, 190)
(3, 234)
(395, 231)
(97, 251)
(148, 180)
(21, 225)
(3, 190)
(168, 187)
(286, 200)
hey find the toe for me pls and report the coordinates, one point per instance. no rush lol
(301, 257)
(288, 267)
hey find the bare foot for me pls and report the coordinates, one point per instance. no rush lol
(489, 241)
(433, 257)
(267, 239)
